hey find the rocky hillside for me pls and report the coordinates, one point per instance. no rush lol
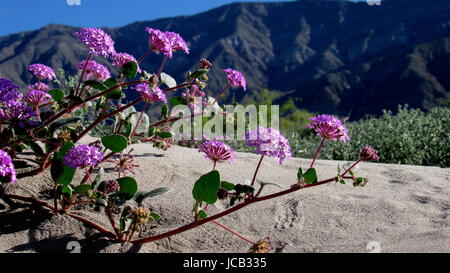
(331, 56)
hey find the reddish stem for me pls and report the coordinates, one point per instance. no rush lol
(82, 73)
(317, 152)
(221, 93)
(144, 56)
(257, 169)
(161, 67)
(351, 167)
(139, 120)
(233, 232)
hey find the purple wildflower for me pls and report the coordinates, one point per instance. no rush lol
(7, 171)
(98, 42)
(329, 127)
(16, 110)
(95, 70)
(150, 94)
(8, 90)
(119, 59)
(166, 42)
(42, 72)
(235, 78)
(82, 156)
(269, 142)
(39, 86)
(368, 153)
(36, 98)
(217, 151)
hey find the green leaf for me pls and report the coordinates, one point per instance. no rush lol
(125, 221)
(57, 94)
(96, 85)
(128, 187)
(198, 73)
(202, 214)
(111, 82)
(164, 134)
(115, 143)
(300, 173)
(62, 174)
(129, 70)
(165, 111)
(151, 131)
(168, 80)
(310, 176)
(155, 216)
(206, 188)
(177, 101)
(82, 189)
(128, 128)
(67, 189)
(227, 185)
(116, 94)
(64, 150)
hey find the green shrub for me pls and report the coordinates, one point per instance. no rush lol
(409, 137)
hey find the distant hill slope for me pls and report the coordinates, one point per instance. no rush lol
(331, 56)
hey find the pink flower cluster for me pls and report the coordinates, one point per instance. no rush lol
(94, 70)
(36, 98)
(151, 94)
(119, 59)
(235, 78)
(8, 90)
(16, 111)
(329, 127)
(217, 151)
(82, 156)
(42, 72)
(39, 86)
(7, 171)
(98, 42)
(166, 42)
(269, 142)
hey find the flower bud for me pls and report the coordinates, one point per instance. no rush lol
(222, 194)
(369, 154)
(205, 64)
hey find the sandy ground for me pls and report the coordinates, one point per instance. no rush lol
(402, 209)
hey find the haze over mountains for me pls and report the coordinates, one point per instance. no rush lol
(330, 56)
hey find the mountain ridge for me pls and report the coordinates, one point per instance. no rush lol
(329, 56)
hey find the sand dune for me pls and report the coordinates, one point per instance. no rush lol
(402, 209)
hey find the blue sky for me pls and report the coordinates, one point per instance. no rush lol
(22, 15)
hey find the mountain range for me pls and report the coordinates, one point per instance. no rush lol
(337, 57)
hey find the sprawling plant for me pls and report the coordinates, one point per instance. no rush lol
(51, 121)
